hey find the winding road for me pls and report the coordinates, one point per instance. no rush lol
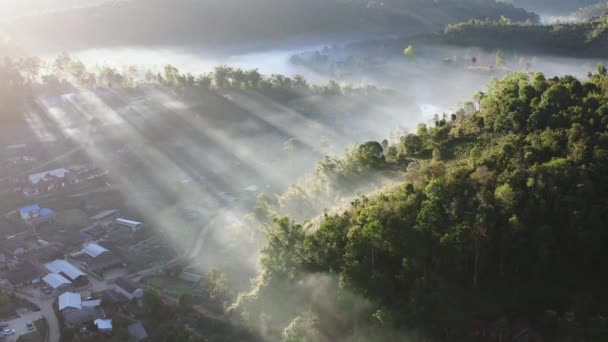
(46, 308)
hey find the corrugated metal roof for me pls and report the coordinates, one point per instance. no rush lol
(128, 222)
(59, 173)
(55, 280)
(91, 303)
(103, 324)
(94, 250)
(46, 212)
(70, 300)
(62, 266)
(29, 209)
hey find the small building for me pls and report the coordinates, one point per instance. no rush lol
(47, 181)
(57, 282)
(102, 263)
(68, 271)
(94, 232)
(107, 215)
(79, 316)
(128, 289)
(35, 215)
(104, 325)
(133, 226)
(91, 303)
(75, 311)
(137, 331)
(70, 301)
(94, 250)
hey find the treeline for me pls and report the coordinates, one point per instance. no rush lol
(591, 11)
(497, 231)
(585, 39)
(21, 77)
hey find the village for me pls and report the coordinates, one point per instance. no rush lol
(74, 256)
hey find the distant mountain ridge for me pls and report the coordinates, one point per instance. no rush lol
(214, 21)
(552, 7)
(10, 9)
(592, 11)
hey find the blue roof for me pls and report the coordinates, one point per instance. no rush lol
(46, 212)
(29, 209)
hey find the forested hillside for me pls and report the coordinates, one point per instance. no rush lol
(497, 230)
(585, 39)
(214, 21)
(592, 11)
(552, 7)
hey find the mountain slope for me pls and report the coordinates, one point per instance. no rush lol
(213, 21)
(499, 232)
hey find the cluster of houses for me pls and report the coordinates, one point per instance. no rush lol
(76, 311)
(63, 269)
(74, 265)
(48, 181)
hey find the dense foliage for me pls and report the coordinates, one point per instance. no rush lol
(585, 39)
(592, 11)
(500, 221)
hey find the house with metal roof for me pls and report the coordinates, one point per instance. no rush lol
(40, 177)
(70, 300)
(128, 289)
(75, 317)
(66, 269)
(94, 250)
(91, 303)
(104, 325)
(56, 281)
(35, 215)
(47, 181)
(133, 226)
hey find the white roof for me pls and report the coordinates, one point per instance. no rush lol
(70, 300)
(103, 324)
(62, 266)
(91, 303)
(252, 188)
(93, 250)
(128, 222)
(55, 280)
(36, 178)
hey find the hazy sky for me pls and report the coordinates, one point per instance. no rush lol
(15, 8)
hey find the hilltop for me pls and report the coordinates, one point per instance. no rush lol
(213, 22)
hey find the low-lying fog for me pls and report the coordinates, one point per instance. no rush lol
(233, 145)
